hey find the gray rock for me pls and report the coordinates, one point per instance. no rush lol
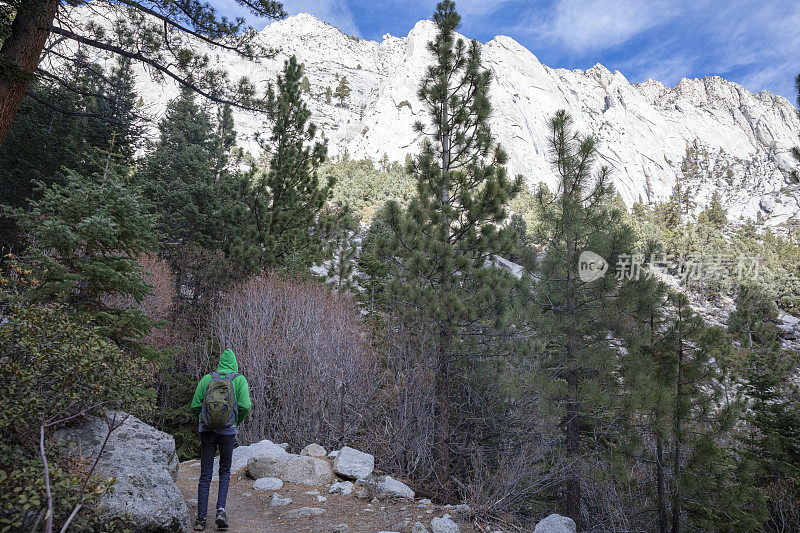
(419, 527)
(267, 483)
(145, 466)
(307, 471)
(279, 501)
(333, 454)
(401, 524)
(268, 461)
(767, 204)
(340, 528)
(321, 499)
(314, 450)
(341, 487)
(351, 463)
(388, 487)
(303, 512)
(242, 454)
(555, 523)
(443, 524)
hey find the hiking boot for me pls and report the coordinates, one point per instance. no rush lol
(200, 525)
(222, 519)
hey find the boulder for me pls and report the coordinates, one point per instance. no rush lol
(314, 450)
(307, 471)
(443, 524)
(267, 483)
(388, 487)
(143, 462)
(279, 501)
(303, 512)
(555, 523)
(267, 461)
(242, 454)
(341, 487)
(333, 454)
(419, 527)
(351, 463)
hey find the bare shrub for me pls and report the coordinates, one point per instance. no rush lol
(305, 351)
(159, 305)
(403, 434)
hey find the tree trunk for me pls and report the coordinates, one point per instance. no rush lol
(20, 54)
(660, 482)
(676, 470)
(573, 485)
(441, 432)
(573, 495)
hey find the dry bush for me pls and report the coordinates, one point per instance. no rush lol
(306, 354)
(403, 435)
(160, 305)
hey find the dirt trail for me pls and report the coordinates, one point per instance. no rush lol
(249, 510)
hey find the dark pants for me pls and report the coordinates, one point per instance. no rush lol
(209, 442)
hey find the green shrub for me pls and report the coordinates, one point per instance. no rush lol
(52, 366)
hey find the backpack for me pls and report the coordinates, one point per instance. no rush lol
(219, 409)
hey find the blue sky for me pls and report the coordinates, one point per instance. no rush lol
(753, 42)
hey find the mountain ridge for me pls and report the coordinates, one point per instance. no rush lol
(643, 129)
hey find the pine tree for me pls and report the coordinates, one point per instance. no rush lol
(441, 245)
(715, 214)
(374, 270)
(574, 325)
(702, 411)
(328, 94)
(285, 201)
(773, 438)
(44, 142)
(305, 85)
(342, 90)
(179, 177)
(87, 236)
(342, 247)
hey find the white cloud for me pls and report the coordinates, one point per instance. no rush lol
(586, 25)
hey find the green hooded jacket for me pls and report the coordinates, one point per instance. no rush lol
(227, 364)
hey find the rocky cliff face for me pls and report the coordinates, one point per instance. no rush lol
(644, 129)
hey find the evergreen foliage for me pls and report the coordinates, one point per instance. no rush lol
(365, 188)
(442, 243)
(186, 175)
(342, 248)
(578, 361)
(772, 441)
(86, 237)
(285, 200)
(342, 91)
(44, 142)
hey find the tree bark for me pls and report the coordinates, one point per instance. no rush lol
(676, 474)
(441, 433)
(662, 504)
(20, 54)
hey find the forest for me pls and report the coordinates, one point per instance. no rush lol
(431, 312)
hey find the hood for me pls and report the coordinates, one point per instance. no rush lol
(227, 362)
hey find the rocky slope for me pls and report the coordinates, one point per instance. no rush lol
(644, 128)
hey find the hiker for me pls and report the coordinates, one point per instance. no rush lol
(221, 402)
